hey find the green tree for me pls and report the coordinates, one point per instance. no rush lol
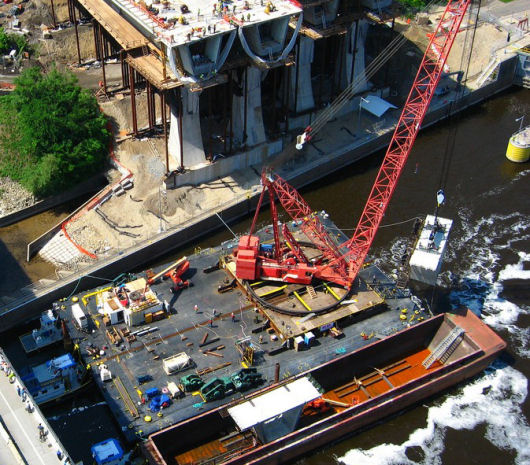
(9, 42)
(53, 134)
(411, 7)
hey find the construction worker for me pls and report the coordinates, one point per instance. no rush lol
(211, 323)
(196, 308)
(233, 317)
(42, 435)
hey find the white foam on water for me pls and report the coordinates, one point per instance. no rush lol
(494, 400)
(516, 270)
(76, 410)
(480, 283)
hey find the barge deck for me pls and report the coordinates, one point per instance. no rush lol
(217, 330)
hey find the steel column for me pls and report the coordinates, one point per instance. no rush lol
(103, 55)
(164, 124)
(54, 19)
(133, 100)
(95, 31)
(149, 107)
(76, 34)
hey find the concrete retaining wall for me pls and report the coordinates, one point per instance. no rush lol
(243, 206)
(35, 245)
(225, 166)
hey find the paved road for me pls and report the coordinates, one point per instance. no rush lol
(23, 428)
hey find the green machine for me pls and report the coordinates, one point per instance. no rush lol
(191, 382)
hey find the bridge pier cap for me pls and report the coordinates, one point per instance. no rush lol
(199, 34)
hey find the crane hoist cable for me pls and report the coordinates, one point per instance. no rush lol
(345, 96)
(354, 86)
(465, 61)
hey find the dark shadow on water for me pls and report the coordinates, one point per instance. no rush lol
(470, 293)
(13, 276)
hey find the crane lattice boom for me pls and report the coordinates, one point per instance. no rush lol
(408, 126)
(289, 263)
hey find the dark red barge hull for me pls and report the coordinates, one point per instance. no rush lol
(486, 347)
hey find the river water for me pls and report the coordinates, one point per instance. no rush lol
(487, 268)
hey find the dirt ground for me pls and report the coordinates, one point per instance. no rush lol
(146, 209)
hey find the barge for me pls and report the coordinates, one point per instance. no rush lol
(339, 397)
(224, 330)
(185, 368)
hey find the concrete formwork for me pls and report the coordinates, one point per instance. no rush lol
(321, 14)
(247, 116)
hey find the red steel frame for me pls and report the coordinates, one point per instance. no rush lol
(342, 268)
(407, 129)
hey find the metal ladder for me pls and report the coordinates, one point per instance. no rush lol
(311, 291)
(445, 348)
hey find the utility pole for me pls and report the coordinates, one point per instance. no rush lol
(360, 108)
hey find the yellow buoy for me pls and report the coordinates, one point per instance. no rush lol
(147, 418)
(519, 146)
(75, 299)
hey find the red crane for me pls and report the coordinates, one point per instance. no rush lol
(341, 263)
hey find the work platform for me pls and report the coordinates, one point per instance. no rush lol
(121, 30)
(19, 429)
(215, 334)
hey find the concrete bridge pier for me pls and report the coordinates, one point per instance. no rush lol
(200, 59)
(185, 136)
(247, 115)
(353, 68)
(300, 85)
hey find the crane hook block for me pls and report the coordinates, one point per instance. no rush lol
(303, 138)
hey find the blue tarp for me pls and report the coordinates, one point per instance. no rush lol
(107, 451)
(161, 401)
(153, 392)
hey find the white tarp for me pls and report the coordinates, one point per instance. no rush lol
(375, 105)
(273, 403)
